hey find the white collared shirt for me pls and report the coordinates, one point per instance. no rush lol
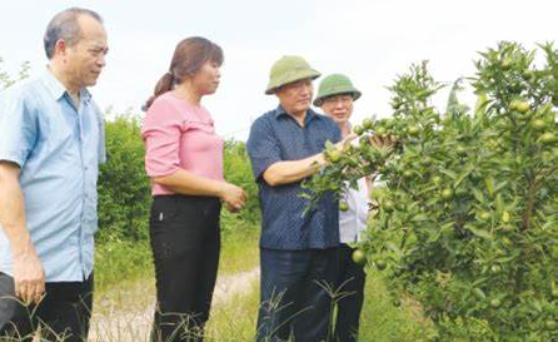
(353, 221)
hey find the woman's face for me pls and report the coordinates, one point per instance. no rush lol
(206, 80)
(339, 108)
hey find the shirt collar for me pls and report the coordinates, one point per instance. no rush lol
(57, 89)
(310, 114)
(279, 111)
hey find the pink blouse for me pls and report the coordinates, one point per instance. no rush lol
(179, 135)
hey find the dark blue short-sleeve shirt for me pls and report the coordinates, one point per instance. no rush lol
(274, 137)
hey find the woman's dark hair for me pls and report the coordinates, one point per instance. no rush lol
(189, 56)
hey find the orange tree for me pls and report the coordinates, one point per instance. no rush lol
(466, 220)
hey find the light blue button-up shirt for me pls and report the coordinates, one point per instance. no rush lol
(59, 148)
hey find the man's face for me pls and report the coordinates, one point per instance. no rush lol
(296, 97)
(85, 60)
(339, 108)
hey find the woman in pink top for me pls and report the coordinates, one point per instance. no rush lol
(184, 159)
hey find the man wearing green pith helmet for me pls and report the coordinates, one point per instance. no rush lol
(336, 95)
(298, 248)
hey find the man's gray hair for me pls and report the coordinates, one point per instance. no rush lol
(65, 26)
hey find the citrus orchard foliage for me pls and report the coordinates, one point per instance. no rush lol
(467, 220)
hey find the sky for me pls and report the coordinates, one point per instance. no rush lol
(372, 41)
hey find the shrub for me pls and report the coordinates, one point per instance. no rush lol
(238, 171)
(467, 222)
(124, 190)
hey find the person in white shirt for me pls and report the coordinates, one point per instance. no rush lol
(336, 95)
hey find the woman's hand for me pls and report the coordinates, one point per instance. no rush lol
(233, 196)
(385, 142)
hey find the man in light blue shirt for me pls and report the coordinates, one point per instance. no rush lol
(51, 145)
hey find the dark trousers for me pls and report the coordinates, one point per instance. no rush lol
(63, 314)
(185, 238)
(351, 296)
(296, 298)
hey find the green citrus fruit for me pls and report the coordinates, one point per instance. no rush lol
(380, 264)
(414, 131)
(388, 205)
(484, 215)
(343, 206)
(520, 106)
(358, 130)
(495, 303)
(506, 64)
(523, 107)
(538, 125)
(447, 193)
(359, 257)
(364, 141)
(333, 156)
(547, 138)
(496, 269)
(367, 124)
(380, 131)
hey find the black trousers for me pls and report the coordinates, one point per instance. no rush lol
(63, 314)
(296, 295)
(185, 239)
(351, 286)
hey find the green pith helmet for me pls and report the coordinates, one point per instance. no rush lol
(287, 70)
(335, 84)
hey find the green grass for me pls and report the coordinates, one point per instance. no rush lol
(235, 321)
(125, 281)
(381, 321)
(121, 264)
(239, 250)
(124, 276)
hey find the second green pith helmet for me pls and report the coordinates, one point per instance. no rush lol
(335, 84)
(287, 70)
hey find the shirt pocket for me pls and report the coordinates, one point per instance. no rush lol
(60, 136)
